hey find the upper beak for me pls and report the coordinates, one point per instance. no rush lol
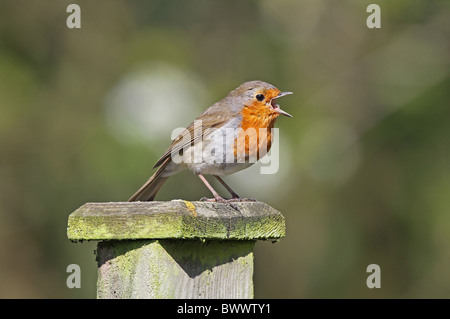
(276, 107)
(281, 95)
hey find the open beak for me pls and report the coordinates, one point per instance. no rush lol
(276, 107)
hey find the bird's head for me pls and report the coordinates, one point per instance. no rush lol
(261, 97)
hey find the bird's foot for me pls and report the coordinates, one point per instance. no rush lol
(243, 200)
(231, 200)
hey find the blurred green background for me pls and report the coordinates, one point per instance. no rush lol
(365, 162)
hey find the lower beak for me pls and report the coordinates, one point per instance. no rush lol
(276, 107)
(280, 111)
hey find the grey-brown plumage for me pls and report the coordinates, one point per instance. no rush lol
(224, 113)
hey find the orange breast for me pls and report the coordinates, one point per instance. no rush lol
(254, 139)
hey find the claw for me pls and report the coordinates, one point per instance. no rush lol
(246, 199)
(227, 201)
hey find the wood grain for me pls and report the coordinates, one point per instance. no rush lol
(175, 249)
(175, 219)
(175, 269)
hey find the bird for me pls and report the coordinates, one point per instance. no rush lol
(229, 136)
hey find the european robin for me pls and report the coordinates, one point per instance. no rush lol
(227, 136)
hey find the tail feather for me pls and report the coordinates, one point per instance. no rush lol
(148, 191)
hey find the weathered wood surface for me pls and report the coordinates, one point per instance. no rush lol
(175, 219)
(175, 269)
(175, 249)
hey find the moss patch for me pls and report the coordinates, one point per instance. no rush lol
(175, 219)
(175, 269)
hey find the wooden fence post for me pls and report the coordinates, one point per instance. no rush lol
(175, 249)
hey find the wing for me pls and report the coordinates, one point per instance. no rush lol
(198, 130)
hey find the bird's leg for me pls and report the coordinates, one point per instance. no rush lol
(233, 193)
(217, 197)
(236, 197)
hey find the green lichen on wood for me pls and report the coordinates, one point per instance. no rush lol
(175, 219)
(175, 269)
(175, 249)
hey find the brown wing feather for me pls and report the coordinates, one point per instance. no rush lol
(188, 137)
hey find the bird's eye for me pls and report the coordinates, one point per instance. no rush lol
(260, 97)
